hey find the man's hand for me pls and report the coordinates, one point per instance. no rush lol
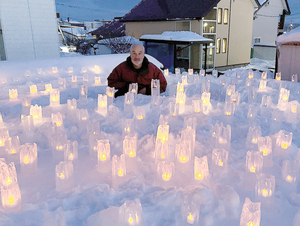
(143, 90)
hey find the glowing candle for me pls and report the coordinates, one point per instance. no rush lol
(250, 74)
(54, 98)
(64, 176)
(278, 76)
(163, 133)
(165, 170)
(4, 135)
(184, 79)
(13, 94)
(166, 72)
(265, 186)
(201, 172)
(70, 70)
(205, 98)
(48, 87)
(251, 213)
(177, 71)
(97, 69)
(57, 119)
(33, 89)
(264, 75)
(97, 80)
(74, 78)
(190, 71)
(72, 104)
(54, 70)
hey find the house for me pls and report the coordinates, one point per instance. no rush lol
(227, 22)
(28, 30)
(265, 21)
(288, 47)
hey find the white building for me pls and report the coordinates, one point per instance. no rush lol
(266, 19)
(28, 29)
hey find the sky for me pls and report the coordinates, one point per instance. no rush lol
(89, 10)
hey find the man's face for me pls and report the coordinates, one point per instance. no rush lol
(137, 55)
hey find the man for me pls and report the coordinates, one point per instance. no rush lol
(136, 69)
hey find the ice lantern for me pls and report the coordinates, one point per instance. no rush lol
(97, 81)
(4, 135)
(265, 147)
(155, 87)
(48, 87)
(11, 197)
(166, 72)
(28, 158)
(205, 97)
(8, 173)
(133, 88)
(64, 176)
(183, 156)
(219, 161)
(278, 76)
(180, 100)
(54, 98)
(163, 133)
(283, 142)
(128, 103)
(129, 150)
(36, 113)
(165, 172)
(12, 146)
(131, 214)
(254, 133)
(110, 92)
(103, 149)
(72, 104)
(283, 99)
(83, 92)
(253, 166)
(71, 151)
(292, 113)
(139, 113)
(13, 94)
(102, 104)
(127, 127)
(161, 150)
(289, 173)
(33, 89)
(265, 188)
(190, 209)
(57, 120)
(251, 213)
(118, 170)
(201, 171)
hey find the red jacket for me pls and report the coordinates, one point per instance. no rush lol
(125, 73)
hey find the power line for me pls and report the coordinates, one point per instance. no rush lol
(77, 7)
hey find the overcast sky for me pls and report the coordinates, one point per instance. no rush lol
(89, 10)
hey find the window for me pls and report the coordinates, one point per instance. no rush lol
(225, 16)
(256, 39)
(218, 48)
(219, 16)
(224, 45)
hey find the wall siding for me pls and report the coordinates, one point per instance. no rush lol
(29, 29)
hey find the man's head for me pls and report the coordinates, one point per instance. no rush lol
(137, 53)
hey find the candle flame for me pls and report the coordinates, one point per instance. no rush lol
(103, 157)
(58, 123)
(228, 113)
(111, 94)
(289, 178)
(59, 147)
(55, 99)
(252, 169)
(140, 117)
(130, 220)
(199, 176)
(284, 145)
(102, 104)
(265, 193)
(229, 93)
(35, 116)
(162, 156)
(294, 110)
(220, 163)
(11, 199)
(61, 176)
(120, 173)
(13, 151)
(71, 156)
(250, 224)
(265, 152)
(205, 101)
(166, 176)
(8, 181)
(182, 159)
(26, 160)
(285, 98)
(132, 154)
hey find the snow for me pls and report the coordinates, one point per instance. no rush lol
(184, 36)
(91, 199)
(289, 37)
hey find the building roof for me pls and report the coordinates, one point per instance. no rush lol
(157, 10)
(176, 37)
(115, 28)
(291, 37)
(286, 8)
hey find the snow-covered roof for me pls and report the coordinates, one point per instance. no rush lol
(289, 37)
(176, 36)
(122, 39)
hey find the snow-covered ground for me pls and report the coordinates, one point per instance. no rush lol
(95, 198)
